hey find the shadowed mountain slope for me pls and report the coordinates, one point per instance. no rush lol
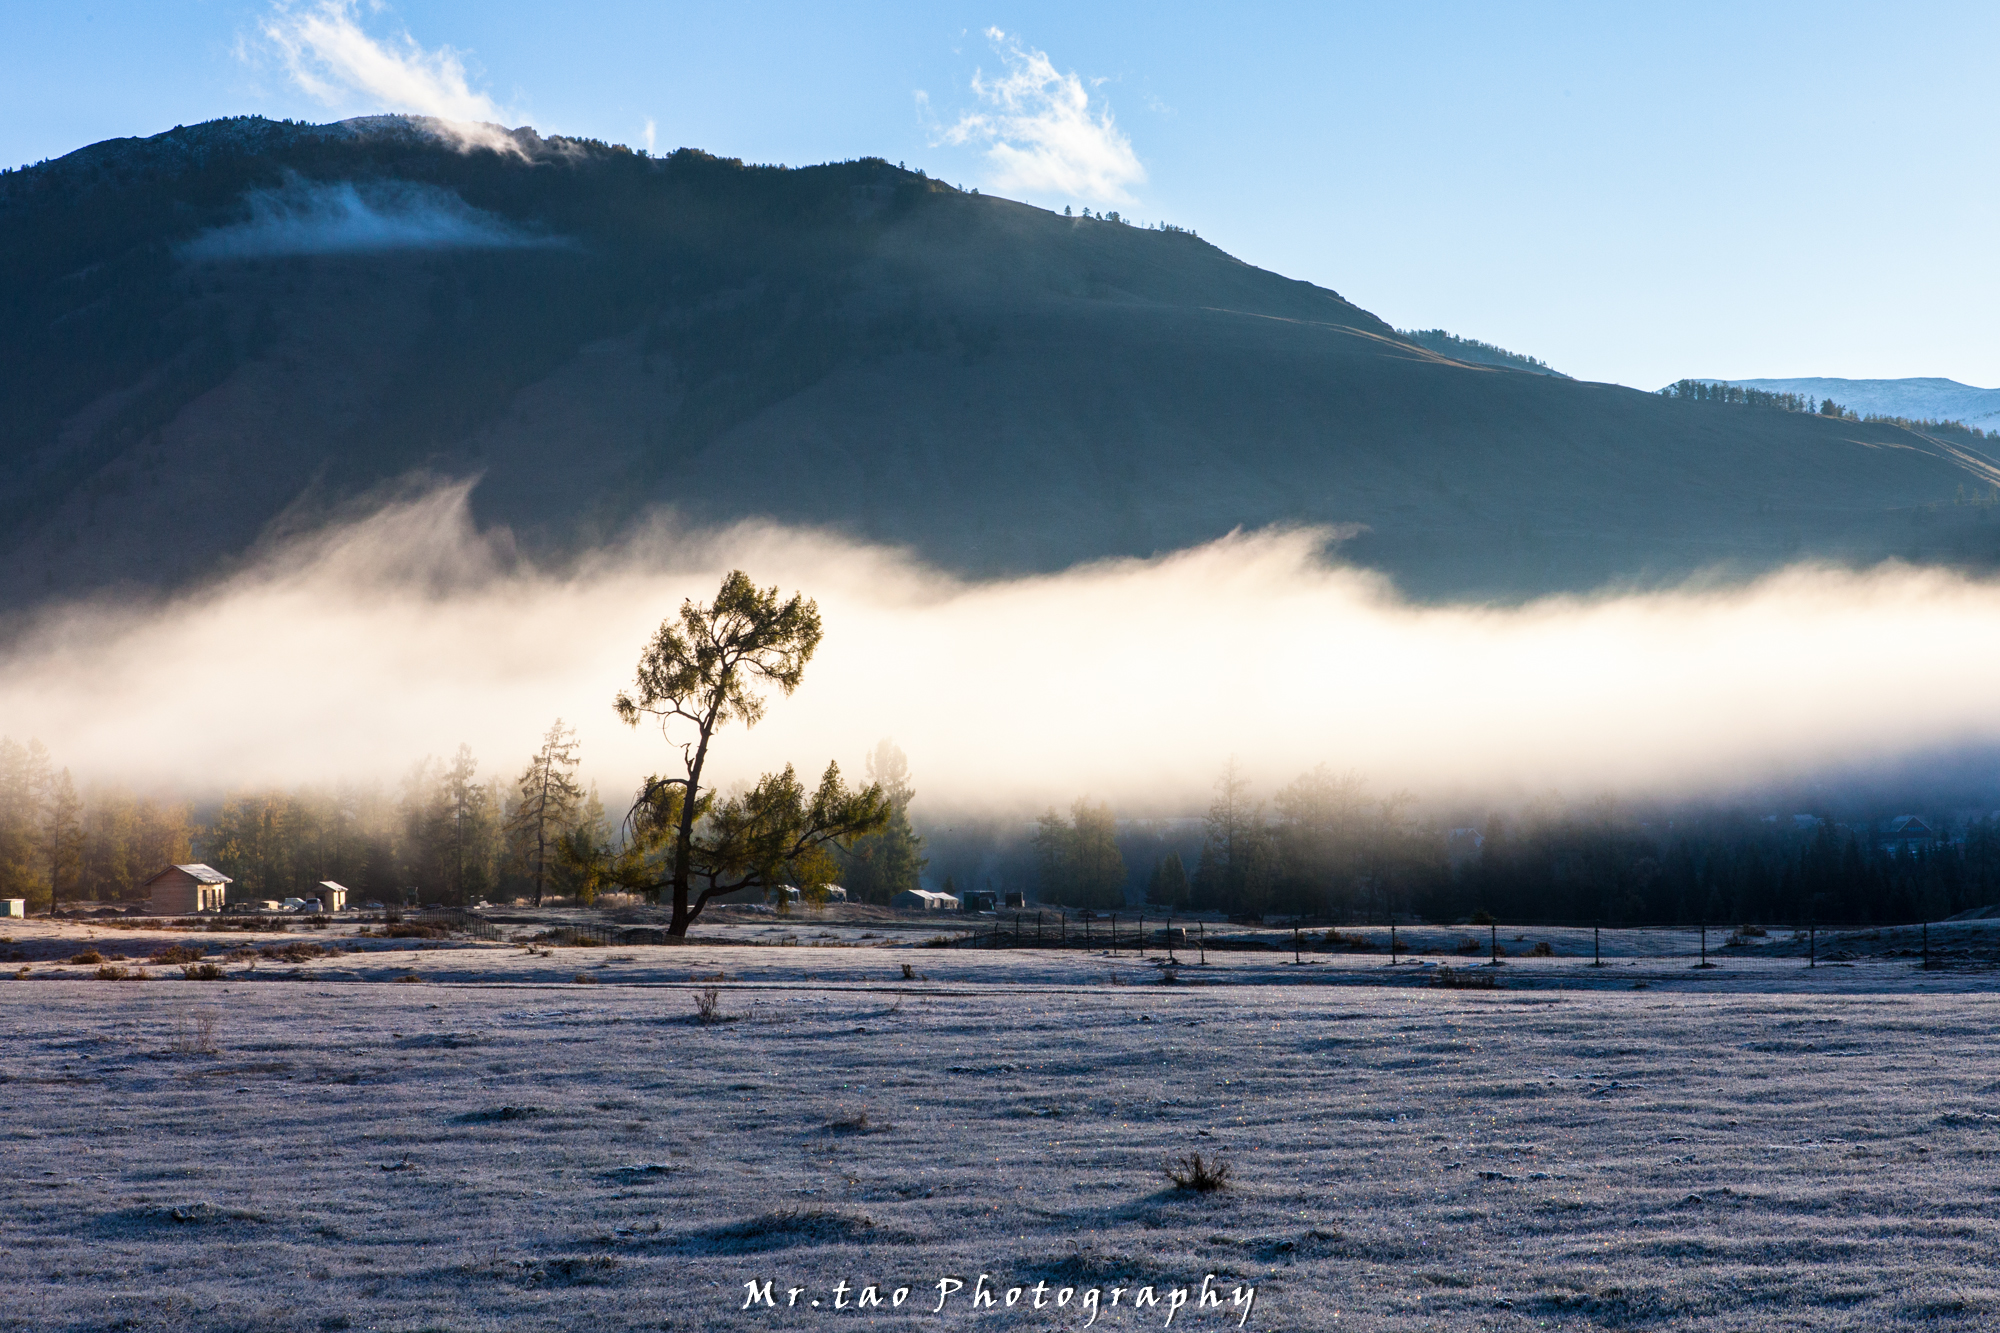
(236, 329)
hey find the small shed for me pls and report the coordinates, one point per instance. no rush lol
(183, 890)
(13, 907)
(923, 900)
(332, 896)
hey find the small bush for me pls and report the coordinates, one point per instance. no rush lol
(88, 958)
(1481, 918)
(1449, 978)
(202, 972)
(852, 1124)
(1542, 949)
(197, 1038)
(401, 930)
(708, 1006)
(910, 974)
(117, 972)
(409, 977)
(584, 979)
(175, 954)
(1200, 1177)
(297, 952)
(1751, 932)
(1470, 947)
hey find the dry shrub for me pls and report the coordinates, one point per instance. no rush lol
(116, 972)
(1751, 932)
(910, 974)
(1448, 978)
(299, 951)
(409, 976)
(175, 954)
(202, 972)
(1542, 949)
(403, 930)
(850, 1124)
(1469, 946)
(584, 979)
(1201, 1177)
(197, 1038)
(88, 958)
(708, 1006)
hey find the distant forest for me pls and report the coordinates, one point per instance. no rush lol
(1323, 848)
(1327, 850)
(1475, 351)
(1709, 391)
(440, 835)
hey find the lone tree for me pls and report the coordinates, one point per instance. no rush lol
(702, 670)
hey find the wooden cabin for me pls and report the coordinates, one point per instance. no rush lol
(185, 890)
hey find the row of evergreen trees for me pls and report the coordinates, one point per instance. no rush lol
(442, 835)
(1709, 391)
(1325, 847)
(58, 842)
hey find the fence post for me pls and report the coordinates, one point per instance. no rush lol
(1392, 939)
(1063, 928)
(1927, 946)
(1812, 943)
(1493, 943)
(1114, 934)
(1201, 934)
(1170, 939)
(1596, 947)
(1142, 934)
(1295, 944)
(1038, 930)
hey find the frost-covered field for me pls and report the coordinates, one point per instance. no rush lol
(500, 1147)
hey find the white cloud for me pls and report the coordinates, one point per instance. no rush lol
(329, 55)
(1041, 133)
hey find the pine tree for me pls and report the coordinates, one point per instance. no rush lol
(1235, 871)
(63, 838)
(1169, 884)
(881, 865)
(547, 806)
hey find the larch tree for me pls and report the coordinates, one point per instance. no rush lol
(547, 805)
(62, 839)
(703, 669)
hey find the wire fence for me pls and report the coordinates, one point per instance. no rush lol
(1810, 944)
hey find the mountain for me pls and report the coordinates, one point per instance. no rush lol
(245, 327)
(1911, 399)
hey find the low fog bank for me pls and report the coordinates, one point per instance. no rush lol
(345, 217)
(350, 653)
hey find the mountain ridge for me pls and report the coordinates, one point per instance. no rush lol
(598, 334)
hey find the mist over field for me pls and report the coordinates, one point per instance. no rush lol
(354, 651)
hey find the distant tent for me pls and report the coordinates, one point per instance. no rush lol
(923, 900)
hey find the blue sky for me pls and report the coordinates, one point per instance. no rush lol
(1633, 193)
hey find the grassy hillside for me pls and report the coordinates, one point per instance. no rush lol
(246, 324)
